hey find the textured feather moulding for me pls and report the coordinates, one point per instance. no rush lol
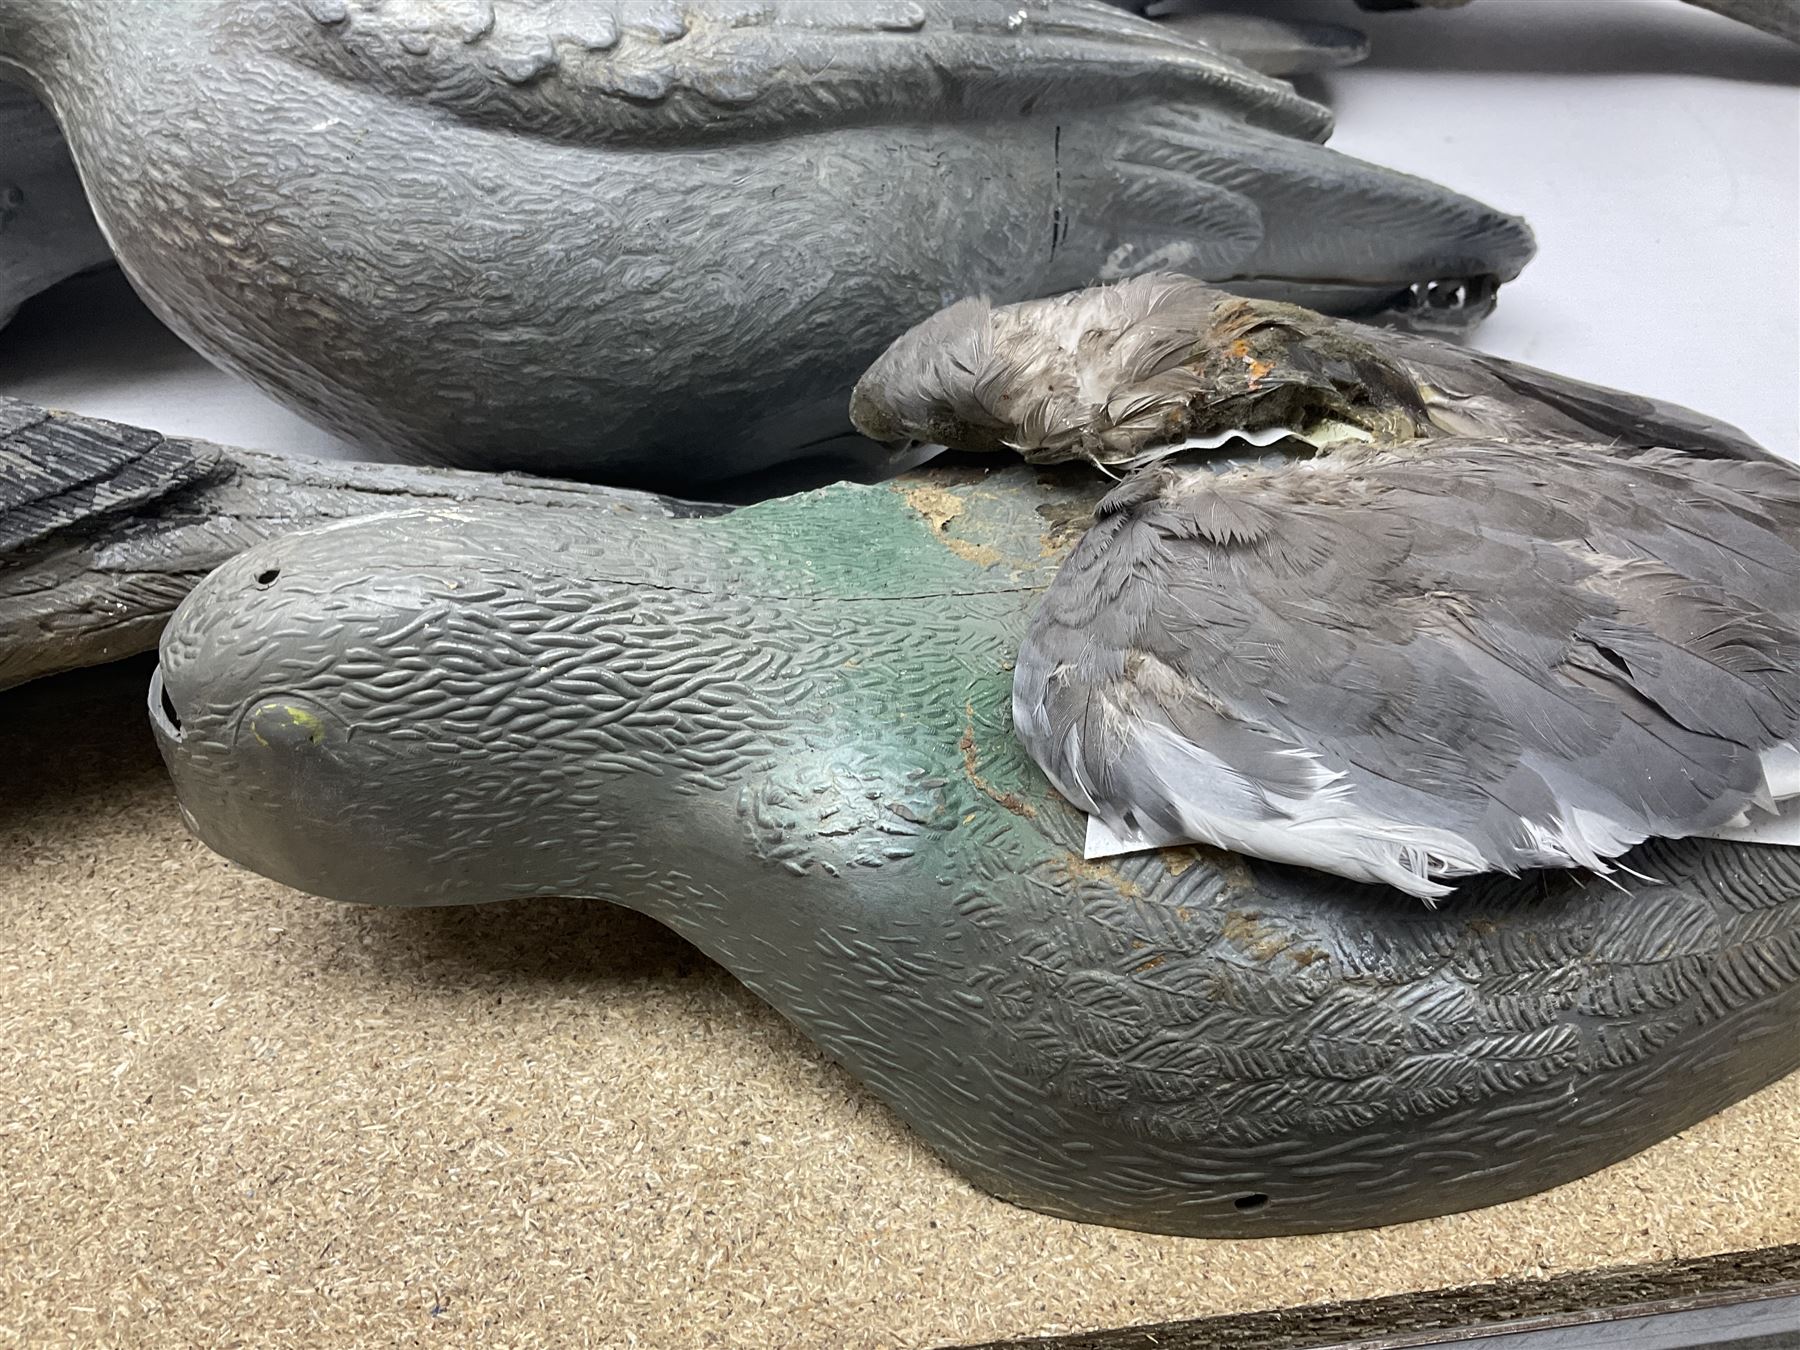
(596, 180)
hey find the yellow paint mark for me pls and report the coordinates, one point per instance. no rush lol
(299, 717)
(1245, 929)
(1081, 868)
(938, 505)
(982, 555)
(1010, 800)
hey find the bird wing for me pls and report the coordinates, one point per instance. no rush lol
(1410, 384)
(59, 472)
(1133, 372)
(1471, 393)
(1406, 665)
(655, 71)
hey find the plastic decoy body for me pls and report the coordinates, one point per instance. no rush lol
(105, 527)
(664, 239)
(786, 733)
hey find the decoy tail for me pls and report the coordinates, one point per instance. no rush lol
(1778, 17)
(76, 481)
(1239, 206)
(1274, 46)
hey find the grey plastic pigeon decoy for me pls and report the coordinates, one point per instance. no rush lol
(651, 242)
(1404, 661)
(1273, 46)
(784, 732)
(105, 527)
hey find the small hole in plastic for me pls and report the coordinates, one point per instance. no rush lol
(268, 578)
(1250, 1202)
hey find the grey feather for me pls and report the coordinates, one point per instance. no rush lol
(1410, 664)
(1120, 373)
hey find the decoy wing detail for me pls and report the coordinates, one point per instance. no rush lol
(64, 471)
(1211, 166)
(1411, 665)
(631, 71)
(1779, 17)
